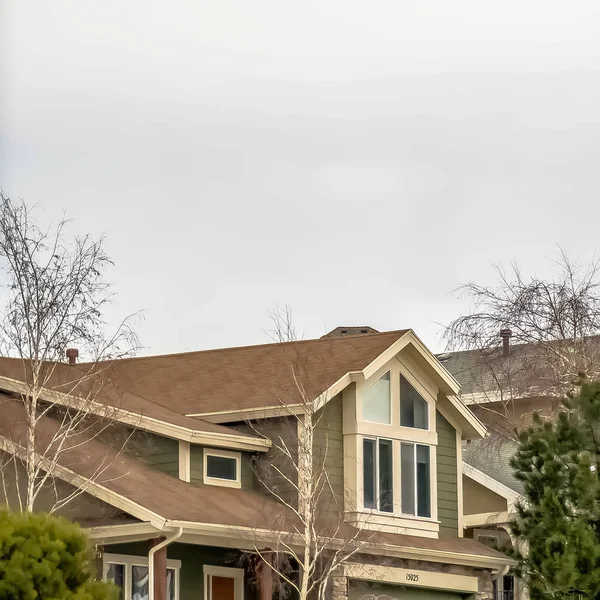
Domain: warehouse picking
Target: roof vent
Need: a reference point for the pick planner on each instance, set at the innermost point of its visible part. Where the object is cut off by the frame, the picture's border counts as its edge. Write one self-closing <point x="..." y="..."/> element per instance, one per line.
<point x="344" y="331"/>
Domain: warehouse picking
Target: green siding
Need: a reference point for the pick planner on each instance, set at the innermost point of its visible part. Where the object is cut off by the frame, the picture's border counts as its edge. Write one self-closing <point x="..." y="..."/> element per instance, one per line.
<point x="281" y="430"/>
<point x="160" y="453"/>
<point x="193" y="558"/>
<point x="197" y="467"/>
<point x="329" y="453"/>
<point x="447" y="478"/>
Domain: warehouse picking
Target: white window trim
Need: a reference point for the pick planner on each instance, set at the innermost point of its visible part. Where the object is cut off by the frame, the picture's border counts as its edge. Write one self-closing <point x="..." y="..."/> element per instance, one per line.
<point x="397" y="481"/>
<point x="236" y="574"/>
<point x="136" y="561"/>
<point x="391" y="412"/>
<point x="237" y="483"/>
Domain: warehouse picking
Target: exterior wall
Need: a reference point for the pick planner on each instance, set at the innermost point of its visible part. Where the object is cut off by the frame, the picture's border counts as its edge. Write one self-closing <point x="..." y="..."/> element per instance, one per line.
<point x="279" y="430"/>
<point x="447" y="478"/>
<point x="158" y="452"/>
<point x="329" y="453"/>
<point x="197" y="467"/>
<point x="478" y="499"/>
<point x="193" y="558"/>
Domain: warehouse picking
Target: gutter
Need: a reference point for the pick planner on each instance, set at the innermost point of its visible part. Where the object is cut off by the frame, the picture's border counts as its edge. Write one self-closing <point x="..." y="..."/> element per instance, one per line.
<point x="151" y="554"/>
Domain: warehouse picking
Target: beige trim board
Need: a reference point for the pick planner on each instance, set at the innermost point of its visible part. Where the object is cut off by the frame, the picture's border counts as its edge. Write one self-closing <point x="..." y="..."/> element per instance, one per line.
<point x="248" y="414"/>
<point x="483" y="519"/>
<point x="221" y="440"/>
<point x="411" y="577"/>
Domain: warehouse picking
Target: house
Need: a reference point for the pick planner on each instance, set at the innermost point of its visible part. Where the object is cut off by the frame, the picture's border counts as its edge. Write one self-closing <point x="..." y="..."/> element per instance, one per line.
<point x="175" y="481"/>
<point x="505" y="386"/>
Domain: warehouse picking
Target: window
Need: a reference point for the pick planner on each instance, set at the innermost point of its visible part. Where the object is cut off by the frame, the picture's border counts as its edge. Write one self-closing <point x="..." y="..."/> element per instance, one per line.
<point x="223" y="583"/>
<point x="222" y="467"/>
<point x="376" y="401"/>
<point x="413" y="407"/>
<point x="415" y="479"/>
<point x="378" y="474"/>
<point x="130" y="574"/>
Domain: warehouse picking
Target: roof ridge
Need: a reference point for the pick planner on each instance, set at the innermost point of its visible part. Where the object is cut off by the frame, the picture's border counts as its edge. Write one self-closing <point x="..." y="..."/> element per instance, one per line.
<point x="230" y="348"/>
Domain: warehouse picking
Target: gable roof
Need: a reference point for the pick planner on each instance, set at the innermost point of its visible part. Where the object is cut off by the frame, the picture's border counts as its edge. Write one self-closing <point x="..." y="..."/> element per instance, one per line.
<point x="248" y="377"/>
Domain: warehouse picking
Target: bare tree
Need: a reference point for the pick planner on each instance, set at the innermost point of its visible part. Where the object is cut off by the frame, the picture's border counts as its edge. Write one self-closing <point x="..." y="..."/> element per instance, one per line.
<point x="550" y="328"/>
<point x="296" y="472"/>
<point x="55" y="295"/>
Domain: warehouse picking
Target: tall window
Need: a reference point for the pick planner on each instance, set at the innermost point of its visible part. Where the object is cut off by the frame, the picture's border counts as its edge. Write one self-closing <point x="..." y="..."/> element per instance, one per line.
<point x="376" y="401"/>
<point x="130" y="575"/>
<point x="378" y="474"/>
<point x="413" y="408"/>
<point x="415" y="479"/>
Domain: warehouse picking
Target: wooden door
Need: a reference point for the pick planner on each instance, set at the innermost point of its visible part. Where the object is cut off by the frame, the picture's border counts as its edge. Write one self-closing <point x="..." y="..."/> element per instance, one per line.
<point x="222" y="588"/>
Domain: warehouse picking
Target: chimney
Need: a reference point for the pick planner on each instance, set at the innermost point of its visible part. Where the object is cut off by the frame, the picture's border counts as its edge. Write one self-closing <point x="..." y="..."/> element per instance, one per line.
<point x="72" y="354"/>
<point x="505" y="334"/>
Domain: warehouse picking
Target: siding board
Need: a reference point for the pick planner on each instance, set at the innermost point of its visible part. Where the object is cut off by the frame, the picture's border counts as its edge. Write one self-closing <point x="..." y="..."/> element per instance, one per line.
<point x="447" y="478"/>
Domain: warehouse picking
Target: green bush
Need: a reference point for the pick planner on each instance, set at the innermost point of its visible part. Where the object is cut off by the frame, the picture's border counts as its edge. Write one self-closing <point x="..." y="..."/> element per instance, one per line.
<point x="46" y="557"/>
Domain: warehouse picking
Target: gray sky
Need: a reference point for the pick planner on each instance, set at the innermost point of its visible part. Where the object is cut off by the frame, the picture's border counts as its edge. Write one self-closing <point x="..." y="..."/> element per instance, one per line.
<point x="355" y="160"/>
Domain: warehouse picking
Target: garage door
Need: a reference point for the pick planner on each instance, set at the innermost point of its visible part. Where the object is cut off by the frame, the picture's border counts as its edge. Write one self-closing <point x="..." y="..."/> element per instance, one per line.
<point x="364" y="590"/>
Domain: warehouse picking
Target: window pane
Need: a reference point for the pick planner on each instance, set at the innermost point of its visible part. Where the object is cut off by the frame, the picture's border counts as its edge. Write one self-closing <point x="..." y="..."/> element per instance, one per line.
<point x="116" y="574"/>
<point x="407" y="470"/>
<point x="386" y="485"/>
<point x="369" y="473"/>
<point x="171" y="584"/>
<point x="221" y="467"/>
<point x="139" y="583"/>
<point x="423" y="482"/>
<point x="376" y="401"/>
<point x="413" y="408"/>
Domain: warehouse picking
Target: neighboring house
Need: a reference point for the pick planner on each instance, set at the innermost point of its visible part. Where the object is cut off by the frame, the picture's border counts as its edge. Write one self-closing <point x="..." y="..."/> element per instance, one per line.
<point x="185" y="490"/>
<point x="505" y="386"/>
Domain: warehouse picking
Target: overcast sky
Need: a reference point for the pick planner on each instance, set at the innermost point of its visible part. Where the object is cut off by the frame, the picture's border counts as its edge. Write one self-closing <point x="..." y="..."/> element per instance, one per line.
<point x="355" y="160"/>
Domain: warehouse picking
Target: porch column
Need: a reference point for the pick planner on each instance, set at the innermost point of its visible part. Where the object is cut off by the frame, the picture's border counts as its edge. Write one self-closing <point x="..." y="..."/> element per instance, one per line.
<point x="339" y="587"/>
<point x="160" y="570"/>
<point x="265" y="577"/>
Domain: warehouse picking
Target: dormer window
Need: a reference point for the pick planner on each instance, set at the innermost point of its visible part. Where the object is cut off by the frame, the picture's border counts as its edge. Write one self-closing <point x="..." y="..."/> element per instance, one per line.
<point x="413" y="407"/>
<point x="222" y="467"/>
<point x="377" y="401"/>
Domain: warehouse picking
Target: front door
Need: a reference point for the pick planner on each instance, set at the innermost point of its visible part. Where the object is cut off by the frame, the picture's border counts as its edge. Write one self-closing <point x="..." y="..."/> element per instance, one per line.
<point x="223" y="583"/>
<point x="222" y="588"/>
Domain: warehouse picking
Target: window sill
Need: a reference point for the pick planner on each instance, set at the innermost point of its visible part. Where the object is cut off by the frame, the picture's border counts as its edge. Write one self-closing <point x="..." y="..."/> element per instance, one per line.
<point x="222" y="482"/>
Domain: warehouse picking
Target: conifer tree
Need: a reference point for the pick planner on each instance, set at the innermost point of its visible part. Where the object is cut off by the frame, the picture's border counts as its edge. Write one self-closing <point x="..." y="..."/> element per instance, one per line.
<point x="559" y="521"/>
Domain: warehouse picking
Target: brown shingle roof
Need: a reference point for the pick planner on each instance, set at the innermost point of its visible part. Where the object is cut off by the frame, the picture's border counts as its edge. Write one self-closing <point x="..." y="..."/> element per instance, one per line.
<point x="79" y="380"/>
<point x="235" y="379"/>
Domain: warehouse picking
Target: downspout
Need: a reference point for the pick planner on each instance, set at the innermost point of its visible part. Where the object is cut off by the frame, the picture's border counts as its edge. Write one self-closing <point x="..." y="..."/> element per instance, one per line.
<point x="151" y="554"/>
